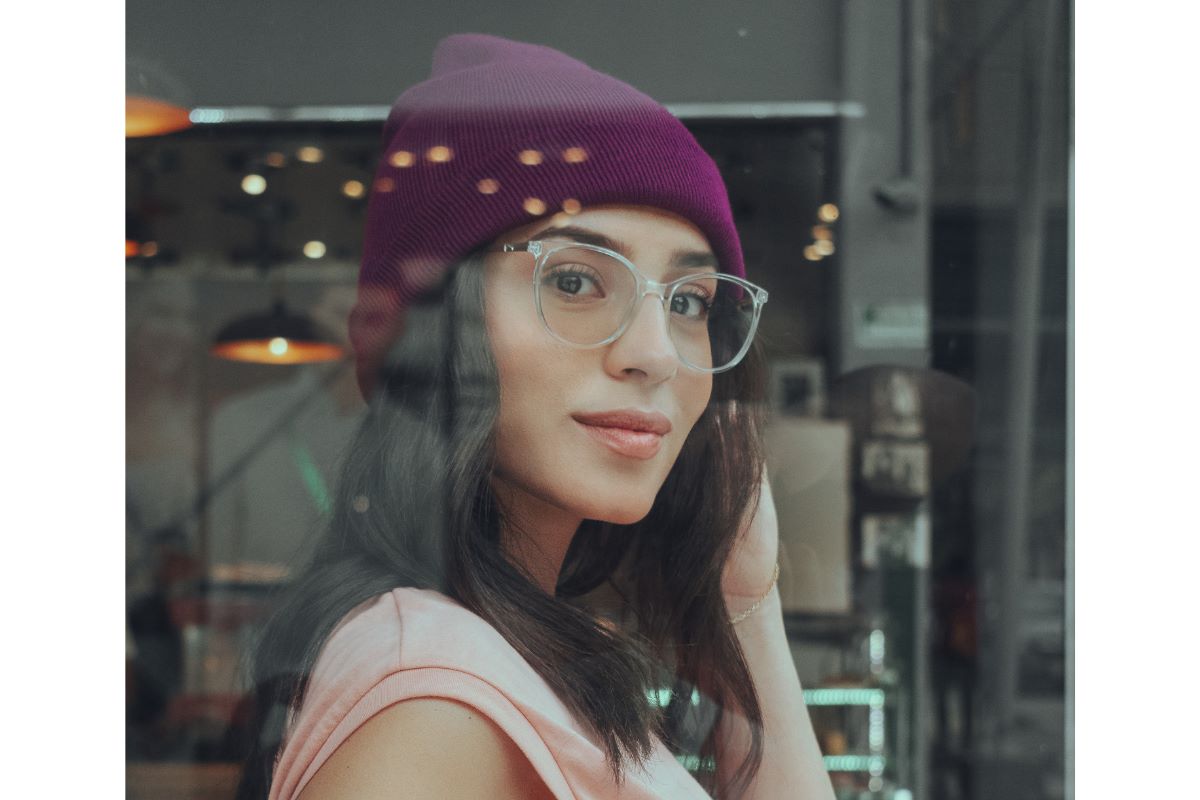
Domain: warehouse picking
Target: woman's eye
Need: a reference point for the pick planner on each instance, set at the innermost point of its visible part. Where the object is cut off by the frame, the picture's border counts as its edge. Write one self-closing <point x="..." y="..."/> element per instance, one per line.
<point x="574" y="283"/>
<point x="571" y="284"/>
<point x="690" y="305"/>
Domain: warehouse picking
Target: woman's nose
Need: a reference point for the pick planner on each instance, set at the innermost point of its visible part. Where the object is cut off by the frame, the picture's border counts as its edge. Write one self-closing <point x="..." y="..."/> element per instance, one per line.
<point x="645" y="348"/>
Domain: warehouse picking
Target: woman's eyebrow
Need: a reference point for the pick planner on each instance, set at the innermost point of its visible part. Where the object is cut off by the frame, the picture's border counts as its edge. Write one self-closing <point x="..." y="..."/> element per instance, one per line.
<point x="693" y="259"/>
<point x="680" y="259"/>
<point x="583" y="236"/>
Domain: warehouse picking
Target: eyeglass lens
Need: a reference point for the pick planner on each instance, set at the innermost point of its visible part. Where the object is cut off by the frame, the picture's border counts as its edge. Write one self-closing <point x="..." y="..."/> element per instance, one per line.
<point x="586" y="297"/>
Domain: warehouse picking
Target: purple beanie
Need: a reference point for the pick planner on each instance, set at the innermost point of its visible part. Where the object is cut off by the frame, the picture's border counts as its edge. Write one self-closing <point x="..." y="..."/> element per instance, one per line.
<point x="503" y="133"/>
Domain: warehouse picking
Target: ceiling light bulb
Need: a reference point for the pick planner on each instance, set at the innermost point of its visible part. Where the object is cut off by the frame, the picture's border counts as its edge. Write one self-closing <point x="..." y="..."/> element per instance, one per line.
<point x="254" y="184"/>
<point x="310" y="155"/>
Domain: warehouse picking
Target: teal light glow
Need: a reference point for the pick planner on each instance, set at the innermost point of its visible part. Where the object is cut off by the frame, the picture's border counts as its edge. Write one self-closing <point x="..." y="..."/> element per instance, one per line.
<point x="311" y="474"/>
<point x="661" y="697"/>
<point x="875" y="728"/>
<point x="207" y="115"/>
<point x="876" y="647"/>
<point x="871" y="764"/>
<point x="692" y="763"/>
<point x="844" y="697"/>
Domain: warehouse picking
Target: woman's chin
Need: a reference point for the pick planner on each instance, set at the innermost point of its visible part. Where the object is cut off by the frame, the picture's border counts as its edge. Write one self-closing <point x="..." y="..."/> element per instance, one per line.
<point x="622" y="502"/>
<point x="624" y="513"/>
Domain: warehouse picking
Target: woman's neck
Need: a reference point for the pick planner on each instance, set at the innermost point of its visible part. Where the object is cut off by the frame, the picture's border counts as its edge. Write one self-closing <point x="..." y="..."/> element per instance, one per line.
<point x="534" y="533"/>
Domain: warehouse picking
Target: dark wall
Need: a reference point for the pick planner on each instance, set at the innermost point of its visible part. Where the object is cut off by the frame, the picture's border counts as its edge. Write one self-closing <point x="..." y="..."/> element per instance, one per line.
<point x="302" y="52"/>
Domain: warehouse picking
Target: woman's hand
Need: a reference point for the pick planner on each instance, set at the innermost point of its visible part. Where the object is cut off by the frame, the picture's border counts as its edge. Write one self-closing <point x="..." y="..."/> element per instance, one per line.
<point x="748" y="572"/>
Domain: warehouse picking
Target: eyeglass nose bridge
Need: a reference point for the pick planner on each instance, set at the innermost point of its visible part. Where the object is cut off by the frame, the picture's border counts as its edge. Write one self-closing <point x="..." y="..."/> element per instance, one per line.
<point x="648" y="287"/>
<point x="655" y="290"/>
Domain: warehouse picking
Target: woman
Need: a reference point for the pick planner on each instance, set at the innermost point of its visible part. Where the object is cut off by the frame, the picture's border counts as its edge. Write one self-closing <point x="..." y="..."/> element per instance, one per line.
<point x="548" y="559"/>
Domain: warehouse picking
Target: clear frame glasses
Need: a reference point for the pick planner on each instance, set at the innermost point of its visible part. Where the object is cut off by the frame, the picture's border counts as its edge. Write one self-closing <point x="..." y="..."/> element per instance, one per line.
<point x="587" y="295"/>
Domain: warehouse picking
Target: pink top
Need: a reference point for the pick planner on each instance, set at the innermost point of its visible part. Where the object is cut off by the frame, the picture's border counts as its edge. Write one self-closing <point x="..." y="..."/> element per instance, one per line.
<point x="442" y="649"/>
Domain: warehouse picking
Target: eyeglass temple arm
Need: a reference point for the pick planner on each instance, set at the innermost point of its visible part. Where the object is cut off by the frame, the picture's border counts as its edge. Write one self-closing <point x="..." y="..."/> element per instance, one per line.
<point x="519" y="247"/>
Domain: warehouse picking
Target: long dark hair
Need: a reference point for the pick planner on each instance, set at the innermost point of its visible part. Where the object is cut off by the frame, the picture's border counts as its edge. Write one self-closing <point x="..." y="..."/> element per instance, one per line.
<point x="429" y="434"/>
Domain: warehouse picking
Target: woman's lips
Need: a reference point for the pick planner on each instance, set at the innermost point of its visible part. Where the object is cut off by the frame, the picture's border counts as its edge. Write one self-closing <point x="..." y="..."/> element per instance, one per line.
<point x="626" y="442"/>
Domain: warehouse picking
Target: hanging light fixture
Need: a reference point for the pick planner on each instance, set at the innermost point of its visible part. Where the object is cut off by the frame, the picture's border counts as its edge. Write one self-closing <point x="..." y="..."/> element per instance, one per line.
<point x="276" y="337"/>
<point x="147" y="116"/>
<point x="156" y="103"/>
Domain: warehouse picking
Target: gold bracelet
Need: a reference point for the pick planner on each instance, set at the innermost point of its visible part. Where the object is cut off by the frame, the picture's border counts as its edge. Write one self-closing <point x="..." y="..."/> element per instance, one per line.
<point x="759" y="602"/>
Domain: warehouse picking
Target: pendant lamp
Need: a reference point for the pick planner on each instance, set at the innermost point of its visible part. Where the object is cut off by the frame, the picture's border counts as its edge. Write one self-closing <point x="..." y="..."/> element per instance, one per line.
<point x="156" y="103"/>
<point x="275" y="337"/>
<point x="149" y="116"/>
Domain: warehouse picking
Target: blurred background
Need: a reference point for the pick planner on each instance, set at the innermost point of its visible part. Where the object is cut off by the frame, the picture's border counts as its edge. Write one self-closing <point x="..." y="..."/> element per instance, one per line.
<point x="899" y="174"/>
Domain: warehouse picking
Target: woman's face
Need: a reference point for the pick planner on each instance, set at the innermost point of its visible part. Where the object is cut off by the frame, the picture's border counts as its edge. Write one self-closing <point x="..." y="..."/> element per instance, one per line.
<point x="553" y="445"/>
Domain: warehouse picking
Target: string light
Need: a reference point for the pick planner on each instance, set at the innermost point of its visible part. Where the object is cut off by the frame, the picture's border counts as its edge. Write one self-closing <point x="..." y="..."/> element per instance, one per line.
<point x="530" y="158"/>
<point x="574" y="155"/>
<point x="310" y="155"/>
<point x="254" y="184"/>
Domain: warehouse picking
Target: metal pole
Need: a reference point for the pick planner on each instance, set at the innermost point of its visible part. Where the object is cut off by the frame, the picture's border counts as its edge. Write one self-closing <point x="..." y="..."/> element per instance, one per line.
<point x="1069" y="588"/>
<point x="1023" y="362"/>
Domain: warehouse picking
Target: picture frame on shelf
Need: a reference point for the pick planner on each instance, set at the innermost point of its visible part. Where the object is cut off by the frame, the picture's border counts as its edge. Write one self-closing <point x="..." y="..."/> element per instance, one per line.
<point x="797" y="387"/>
<point x="892" y="468"/>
